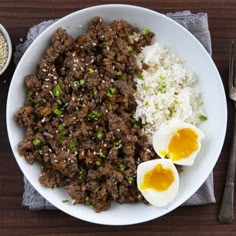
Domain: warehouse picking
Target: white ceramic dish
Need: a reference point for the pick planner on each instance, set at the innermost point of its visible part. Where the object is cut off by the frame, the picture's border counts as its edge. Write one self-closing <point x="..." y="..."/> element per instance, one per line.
<point x="197" y="59"/>
<point x="9" y="46"/>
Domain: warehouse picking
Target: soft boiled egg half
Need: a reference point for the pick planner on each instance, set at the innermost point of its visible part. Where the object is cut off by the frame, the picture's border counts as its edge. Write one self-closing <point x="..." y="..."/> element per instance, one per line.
<point x="158" y="181"/>
<point x="180" y="142"/>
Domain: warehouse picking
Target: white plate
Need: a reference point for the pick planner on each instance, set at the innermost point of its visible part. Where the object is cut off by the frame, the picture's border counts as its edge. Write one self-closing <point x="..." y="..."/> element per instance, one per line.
<point x="182" y="43"/>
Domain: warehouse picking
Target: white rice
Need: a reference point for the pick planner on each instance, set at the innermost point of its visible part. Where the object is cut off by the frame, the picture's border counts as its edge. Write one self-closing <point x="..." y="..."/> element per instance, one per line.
<point x="166" y="91"/>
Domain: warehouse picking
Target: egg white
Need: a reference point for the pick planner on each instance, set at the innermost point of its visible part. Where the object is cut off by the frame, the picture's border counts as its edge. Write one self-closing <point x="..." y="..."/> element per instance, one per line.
<point x="154" y="197"/>
<point x="163" y="136"/>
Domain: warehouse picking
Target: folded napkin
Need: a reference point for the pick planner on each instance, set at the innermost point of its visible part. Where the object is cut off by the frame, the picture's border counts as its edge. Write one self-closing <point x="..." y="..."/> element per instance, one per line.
<point x="197" y="24"/>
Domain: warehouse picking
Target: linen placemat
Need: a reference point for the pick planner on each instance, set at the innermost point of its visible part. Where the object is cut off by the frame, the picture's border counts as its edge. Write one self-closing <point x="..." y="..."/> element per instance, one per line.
<point x="197" y="24"/>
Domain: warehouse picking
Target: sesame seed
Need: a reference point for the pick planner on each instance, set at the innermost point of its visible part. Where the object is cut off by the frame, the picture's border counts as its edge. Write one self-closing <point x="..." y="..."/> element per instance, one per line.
<point x="43" y="120"/>
<point x="106" y="111"/>
<point x="73" y="202"/>
<point x="44" y="70"/>
<point x="73" y="54"/>
<point x="82" y="68"/>
<point x="73" y="98"/>
<point x="105" y="145"/>
<point x="74" y="69"/>
<point x="81" y="46"/>
<point x="103" y="81"/>
<point x="46" y="86"/>
<point x="94" y="153"/>
<point x="50" y="150"/>
<point x="118" y="130"/>
<point x="47" y="79"/>
<point x="94" y="44"/>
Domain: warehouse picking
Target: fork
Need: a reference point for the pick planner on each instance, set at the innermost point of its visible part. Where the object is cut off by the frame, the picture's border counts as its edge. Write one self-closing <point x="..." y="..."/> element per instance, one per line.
<point x="226" y="213"/>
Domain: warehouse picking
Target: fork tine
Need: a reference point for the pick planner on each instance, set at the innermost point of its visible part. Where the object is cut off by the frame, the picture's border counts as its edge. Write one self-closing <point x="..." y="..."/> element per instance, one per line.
<point x="231" y="66"/>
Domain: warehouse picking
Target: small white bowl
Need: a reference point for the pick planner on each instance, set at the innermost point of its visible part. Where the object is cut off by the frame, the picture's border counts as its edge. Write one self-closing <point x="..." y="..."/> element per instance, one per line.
<point x="9" y="48"/>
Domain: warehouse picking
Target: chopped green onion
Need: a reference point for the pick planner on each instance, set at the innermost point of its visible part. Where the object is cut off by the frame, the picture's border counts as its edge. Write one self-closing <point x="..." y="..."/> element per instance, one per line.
<point x="132" y="120"/>
<point x="122" y="167"/>
<point x="30" y="99"/>
<point x="101" y="154"/>
<point x="65" y="201"/>
<point x="141" y="77"/>
<point x="202" y="118"/>
<point x="57" y="111"/>
<point x="91" y="206"/>
<point x="136" y="126"/>
<point x="111" y="92"/>
<point x="61" y="127"/>
<point x="146" y="104"/>
<point x="145" y="88"/>
<point x="59" y="101"/>
<point x="100" y="135"/>
<point x="162" y="77"/>
<point x="57" y="90"/>
<point x="117" y="143"/>
<point x="175" y="101"/>
<point x="95" y="92"/>
<point x="130" y="49"/>
<point x="82" y="82"/>
<point x="118" y="73"/>
<point x="145" y="31"/>
<point x="162" y="88"/>
<point x="91" y="71"/>
<point x="73" y="143"/>
<point x="93" y="115"/>
<point x="36" y="142"/>
<point x="130" y="179"/>
<point x="98" y="163"/>
<point x="170" y="112"/>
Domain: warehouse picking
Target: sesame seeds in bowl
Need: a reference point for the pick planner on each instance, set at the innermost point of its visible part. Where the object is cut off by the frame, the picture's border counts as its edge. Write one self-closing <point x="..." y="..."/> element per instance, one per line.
<point x="5" y="49"/>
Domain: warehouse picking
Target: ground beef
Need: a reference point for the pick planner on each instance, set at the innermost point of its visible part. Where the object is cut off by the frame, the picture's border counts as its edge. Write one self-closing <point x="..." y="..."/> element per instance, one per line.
<point x="79" y="111"/>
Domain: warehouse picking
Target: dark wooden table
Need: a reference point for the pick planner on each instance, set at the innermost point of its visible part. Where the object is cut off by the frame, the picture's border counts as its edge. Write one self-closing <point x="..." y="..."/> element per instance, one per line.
<point x="18" y="17"/>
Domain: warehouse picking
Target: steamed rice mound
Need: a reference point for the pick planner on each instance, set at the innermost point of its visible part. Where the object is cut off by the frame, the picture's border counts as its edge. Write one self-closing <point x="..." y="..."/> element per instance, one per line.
<point x="166" y="90"/>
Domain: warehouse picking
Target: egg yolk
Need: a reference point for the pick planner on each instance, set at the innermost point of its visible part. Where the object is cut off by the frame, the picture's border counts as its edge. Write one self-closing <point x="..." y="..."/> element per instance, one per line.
<point x="159" y="178"/>
<point x="183" y="144"/>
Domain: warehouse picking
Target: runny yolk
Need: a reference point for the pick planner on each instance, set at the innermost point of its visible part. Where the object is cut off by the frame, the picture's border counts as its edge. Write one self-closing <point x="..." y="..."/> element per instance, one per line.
<point x="183" y="144"/>
<point x="159" y="178"/>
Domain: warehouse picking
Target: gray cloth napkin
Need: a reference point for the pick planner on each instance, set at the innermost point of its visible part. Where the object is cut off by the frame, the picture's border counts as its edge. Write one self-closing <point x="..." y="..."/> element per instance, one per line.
<point x="197" y="24"/>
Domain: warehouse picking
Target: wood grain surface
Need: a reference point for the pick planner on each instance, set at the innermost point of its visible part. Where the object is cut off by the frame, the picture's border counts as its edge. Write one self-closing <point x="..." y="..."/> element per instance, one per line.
<point x="18" y="17"/>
